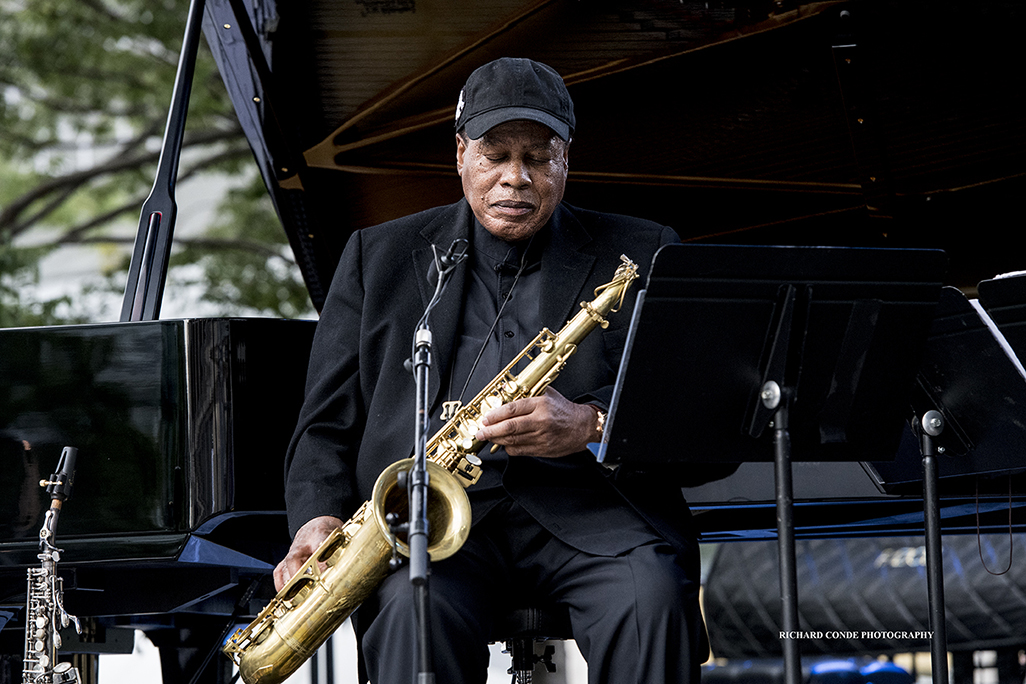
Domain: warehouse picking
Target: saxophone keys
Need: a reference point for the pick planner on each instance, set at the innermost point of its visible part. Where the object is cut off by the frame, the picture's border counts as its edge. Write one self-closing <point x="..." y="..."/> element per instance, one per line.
<point x="466" y="434"/>
<point x="64" y="674"/>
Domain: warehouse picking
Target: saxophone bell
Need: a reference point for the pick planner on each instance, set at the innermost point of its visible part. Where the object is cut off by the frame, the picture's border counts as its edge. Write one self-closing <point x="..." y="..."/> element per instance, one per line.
<point x="449" y="514"/>
<point x="355" y="560"/>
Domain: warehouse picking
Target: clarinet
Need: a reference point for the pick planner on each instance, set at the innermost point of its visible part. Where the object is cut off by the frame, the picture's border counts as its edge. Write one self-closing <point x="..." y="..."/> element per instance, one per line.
<point x="45" y="615"/>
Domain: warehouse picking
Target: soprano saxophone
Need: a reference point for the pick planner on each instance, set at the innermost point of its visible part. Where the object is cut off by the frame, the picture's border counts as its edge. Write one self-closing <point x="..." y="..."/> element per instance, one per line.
<point x="354" y="559"/>
<point x="45" y="614"/>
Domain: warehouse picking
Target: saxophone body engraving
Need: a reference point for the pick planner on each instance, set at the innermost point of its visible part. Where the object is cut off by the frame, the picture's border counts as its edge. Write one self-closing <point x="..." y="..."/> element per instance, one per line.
<point x="353" y="560"/>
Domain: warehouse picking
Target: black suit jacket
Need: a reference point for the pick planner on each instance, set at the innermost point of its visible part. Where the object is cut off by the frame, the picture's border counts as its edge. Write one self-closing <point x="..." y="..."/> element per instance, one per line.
<point x="358" y="414"/>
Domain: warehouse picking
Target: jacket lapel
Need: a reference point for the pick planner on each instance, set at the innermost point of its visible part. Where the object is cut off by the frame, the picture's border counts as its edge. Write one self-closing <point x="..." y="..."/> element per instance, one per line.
<point x="452" y="223"/>
<point x="565" y="269"/>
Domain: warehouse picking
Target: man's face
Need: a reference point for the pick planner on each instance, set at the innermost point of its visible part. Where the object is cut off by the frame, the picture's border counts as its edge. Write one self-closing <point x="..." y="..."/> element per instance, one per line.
<point x="513" y="177"/>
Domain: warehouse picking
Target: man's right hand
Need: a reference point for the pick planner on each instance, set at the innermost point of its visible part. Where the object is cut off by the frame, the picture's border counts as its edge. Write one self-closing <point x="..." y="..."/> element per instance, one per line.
<point x="308" y="539"/>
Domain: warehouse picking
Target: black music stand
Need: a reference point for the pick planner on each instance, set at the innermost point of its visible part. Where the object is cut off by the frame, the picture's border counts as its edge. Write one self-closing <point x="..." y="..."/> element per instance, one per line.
<point x="967" y="400"/>
<point x="974" y="378"/>
<point x="1004" y="300"/>
<point x="819" y="344"/>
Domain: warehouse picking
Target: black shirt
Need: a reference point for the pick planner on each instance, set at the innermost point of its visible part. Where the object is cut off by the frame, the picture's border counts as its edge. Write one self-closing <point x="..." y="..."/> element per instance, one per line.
<point x="501" y="315"/>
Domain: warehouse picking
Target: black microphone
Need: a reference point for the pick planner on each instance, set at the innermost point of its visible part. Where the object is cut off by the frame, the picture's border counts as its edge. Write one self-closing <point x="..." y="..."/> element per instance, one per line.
<point x="453" y="256"/>
<point x="456" y="253"/>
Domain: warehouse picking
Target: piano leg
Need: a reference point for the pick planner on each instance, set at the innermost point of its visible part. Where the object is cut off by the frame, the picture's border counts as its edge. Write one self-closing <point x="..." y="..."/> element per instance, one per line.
<point x="10" y="667"/>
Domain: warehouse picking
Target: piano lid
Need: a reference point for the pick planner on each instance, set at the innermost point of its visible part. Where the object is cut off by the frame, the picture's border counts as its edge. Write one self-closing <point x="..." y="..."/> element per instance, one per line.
<point x="872" y="122"/>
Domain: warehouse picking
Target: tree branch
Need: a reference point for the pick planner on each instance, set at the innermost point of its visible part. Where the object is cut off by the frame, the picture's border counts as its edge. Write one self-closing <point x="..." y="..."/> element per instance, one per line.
<point x="75" y="234"/>
<point x="52" y="205"/>
<point x="121" y="162"/>
<point x="68" y="105"/>
<point x="129" y="147"/>
<point x="198" y="242"/>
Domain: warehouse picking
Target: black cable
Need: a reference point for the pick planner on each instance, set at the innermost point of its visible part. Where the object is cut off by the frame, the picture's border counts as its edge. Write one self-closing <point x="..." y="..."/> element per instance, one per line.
<point x="1011" y="541"/>
<point x="488" y="336"/>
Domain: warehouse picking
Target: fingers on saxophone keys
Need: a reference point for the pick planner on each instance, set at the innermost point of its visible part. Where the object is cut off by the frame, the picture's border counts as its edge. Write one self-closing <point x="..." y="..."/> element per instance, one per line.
<point x="489" y="430"/>
<point x="484" y="434"/>
<point x="281" y="576"/>
<point x="505" y="432"/>
<point x="505" y="412"/>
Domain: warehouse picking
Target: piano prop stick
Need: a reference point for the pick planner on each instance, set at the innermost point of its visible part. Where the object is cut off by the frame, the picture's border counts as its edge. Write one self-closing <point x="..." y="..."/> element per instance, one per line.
<point x="148" y="269"/>
<point x="739" y="354"/>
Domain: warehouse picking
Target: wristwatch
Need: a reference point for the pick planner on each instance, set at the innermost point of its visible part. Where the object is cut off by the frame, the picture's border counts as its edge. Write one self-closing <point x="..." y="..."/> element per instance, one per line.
<point x="601" y="427"/>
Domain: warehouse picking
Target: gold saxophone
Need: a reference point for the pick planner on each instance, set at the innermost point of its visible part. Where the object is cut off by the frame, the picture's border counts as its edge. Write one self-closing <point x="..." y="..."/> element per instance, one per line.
<point x="354" y="559"/>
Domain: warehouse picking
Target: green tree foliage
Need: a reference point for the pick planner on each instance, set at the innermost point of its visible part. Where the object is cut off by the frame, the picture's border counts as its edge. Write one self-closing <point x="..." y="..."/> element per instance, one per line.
<point x="85" y="87"/>
<point x="247" y="265"/>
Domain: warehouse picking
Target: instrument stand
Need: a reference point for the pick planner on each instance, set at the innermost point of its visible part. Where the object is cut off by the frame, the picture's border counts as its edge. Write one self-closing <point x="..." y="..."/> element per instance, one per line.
<point x="785" y="533"/>
<point x="931" y="426"/>
<point x="759" y="353"/>
<point x="417" y="487"/>
<point x="417" y="481"/>
<point x="772" y="410"/>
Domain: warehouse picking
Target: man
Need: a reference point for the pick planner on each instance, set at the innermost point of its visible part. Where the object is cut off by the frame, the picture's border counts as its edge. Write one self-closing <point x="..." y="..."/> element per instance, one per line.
<point x="549" y="522"/>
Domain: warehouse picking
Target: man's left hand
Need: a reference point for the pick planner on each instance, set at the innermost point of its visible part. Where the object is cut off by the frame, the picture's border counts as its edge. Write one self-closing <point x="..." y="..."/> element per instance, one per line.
<point x="548" y="426"/>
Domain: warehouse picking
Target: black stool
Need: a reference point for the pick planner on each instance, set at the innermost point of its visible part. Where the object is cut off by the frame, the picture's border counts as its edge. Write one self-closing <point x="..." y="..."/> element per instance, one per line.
<point x="521" y="627"/>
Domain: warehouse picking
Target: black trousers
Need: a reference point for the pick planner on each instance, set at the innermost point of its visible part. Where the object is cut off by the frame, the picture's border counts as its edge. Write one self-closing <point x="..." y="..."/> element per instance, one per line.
<point x="635" y="616"/>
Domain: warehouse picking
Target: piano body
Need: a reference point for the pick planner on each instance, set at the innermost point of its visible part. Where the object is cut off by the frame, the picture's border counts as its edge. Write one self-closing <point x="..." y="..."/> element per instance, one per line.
<point x="878" y="123"/>
<point x="181" y="426"/>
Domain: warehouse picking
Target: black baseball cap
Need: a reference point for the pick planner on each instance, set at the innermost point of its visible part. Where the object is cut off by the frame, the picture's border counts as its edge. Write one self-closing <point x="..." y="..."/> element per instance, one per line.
<point x="513" y="88"/>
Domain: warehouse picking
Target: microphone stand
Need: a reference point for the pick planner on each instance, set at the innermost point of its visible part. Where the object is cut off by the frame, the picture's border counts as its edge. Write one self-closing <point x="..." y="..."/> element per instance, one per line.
<point x="417" y="481"/>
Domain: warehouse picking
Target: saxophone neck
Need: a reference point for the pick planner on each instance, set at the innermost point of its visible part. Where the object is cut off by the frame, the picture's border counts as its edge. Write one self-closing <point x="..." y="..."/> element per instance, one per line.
<point x="609" y="297"/>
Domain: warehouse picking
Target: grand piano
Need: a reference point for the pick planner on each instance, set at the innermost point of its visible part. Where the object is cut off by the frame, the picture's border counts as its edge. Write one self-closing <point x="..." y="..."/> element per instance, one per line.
<point x="861" y="123"/>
